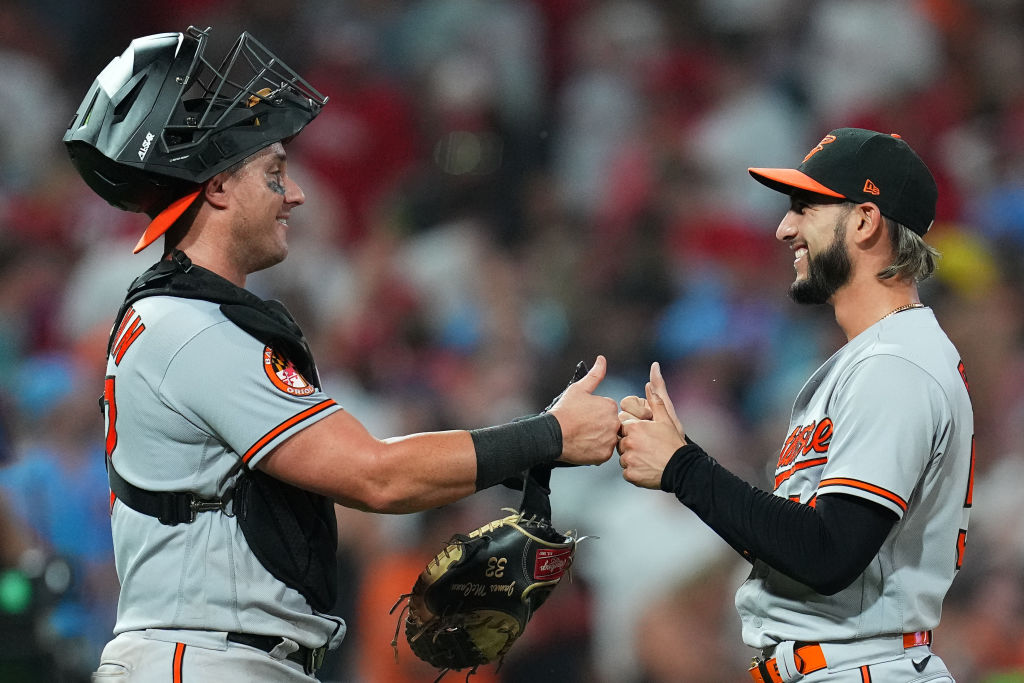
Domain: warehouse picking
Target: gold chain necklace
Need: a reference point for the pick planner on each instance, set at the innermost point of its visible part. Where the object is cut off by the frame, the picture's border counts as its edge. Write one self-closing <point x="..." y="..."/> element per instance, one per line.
<point x="900" y="310"/>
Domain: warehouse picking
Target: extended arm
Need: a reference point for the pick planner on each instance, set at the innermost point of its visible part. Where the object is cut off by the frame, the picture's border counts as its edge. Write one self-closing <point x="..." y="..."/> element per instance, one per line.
<point x="824" y="547"/>
<point x="339" y="458"/>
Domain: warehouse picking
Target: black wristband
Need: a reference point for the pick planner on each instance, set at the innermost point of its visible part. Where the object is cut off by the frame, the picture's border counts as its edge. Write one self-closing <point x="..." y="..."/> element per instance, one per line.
<point x="508" y="449"/>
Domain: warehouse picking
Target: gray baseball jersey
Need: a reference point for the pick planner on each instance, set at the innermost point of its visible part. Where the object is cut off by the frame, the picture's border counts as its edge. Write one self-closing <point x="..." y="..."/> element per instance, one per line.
<point x="191" y="401"/>
<point x="888" y="419"/>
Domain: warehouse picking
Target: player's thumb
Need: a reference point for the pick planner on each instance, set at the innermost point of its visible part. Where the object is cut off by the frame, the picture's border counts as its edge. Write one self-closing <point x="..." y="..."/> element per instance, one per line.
<point x="593" y="378"/>
<point x="658" y="407"/>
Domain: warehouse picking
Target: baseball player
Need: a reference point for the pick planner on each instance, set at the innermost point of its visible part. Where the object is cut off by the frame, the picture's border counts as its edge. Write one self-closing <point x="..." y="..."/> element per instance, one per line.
<point x="225" y="458"/>
<point x="865" y="529"/>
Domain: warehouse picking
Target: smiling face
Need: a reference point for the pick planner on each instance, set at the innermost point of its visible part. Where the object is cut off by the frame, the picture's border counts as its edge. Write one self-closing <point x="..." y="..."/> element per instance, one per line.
<point x="815" y="228"/>
<point x="263" y="195"/>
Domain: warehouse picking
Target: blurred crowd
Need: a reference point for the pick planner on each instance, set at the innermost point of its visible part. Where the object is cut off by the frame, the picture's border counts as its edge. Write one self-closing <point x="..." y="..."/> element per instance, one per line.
<point x="496" y="190"/>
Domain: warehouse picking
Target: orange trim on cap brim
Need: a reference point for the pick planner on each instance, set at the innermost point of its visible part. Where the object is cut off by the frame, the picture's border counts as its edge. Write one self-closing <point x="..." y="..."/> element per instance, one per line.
<point x="790" y="177"/>
<point x="164" y="220"/>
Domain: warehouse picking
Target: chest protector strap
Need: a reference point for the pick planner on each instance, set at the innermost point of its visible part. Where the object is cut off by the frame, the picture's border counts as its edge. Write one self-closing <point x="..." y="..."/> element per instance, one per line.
<point x="291" y="531"/>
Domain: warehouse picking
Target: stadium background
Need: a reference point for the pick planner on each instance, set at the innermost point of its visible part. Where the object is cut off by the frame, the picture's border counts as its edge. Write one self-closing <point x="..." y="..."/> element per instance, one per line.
<point x="496" y="190"/>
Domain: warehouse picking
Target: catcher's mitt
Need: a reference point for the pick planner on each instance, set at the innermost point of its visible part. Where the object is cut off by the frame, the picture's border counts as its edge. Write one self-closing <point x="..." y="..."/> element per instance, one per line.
<point x="473" y="599"/>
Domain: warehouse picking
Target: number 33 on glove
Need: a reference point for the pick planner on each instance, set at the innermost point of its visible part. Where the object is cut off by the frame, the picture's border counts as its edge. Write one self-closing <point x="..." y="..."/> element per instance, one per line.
<point x="473" y="599"/>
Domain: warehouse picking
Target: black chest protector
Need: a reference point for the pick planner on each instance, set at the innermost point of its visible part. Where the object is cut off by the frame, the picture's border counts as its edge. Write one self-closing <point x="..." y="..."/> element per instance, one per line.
<point x="291" y="531"/>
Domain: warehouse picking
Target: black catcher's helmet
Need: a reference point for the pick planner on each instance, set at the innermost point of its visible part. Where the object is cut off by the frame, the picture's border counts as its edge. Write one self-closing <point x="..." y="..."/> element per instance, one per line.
<point x="161" y="119"/>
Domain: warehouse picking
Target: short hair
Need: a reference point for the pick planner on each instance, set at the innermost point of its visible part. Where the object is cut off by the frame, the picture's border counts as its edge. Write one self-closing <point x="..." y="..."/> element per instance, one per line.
<point x="181" y="226"/>
<point x="913" y="258"/>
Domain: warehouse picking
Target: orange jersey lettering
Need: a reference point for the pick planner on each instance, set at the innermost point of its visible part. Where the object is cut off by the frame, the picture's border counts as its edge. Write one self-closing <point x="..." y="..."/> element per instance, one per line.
<point x="129" y="331"/>
<point x="802" y="440"/>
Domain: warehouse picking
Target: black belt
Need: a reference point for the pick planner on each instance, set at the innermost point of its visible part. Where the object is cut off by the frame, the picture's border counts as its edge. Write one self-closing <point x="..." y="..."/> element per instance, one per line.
<point x="311" y="659"/>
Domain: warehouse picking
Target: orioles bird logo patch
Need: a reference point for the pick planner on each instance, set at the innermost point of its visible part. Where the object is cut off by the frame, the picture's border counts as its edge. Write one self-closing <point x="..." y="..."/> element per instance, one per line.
<point x="283" y="374"/>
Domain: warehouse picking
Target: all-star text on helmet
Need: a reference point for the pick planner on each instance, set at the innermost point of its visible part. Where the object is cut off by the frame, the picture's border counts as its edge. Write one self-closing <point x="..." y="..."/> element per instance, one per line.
<point x="161" y="119"/>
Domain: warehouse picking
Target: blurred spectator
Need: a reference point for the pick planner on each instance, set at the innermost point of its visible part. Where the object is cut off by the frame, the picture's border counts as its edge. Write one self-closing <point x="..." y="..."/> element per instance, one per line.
<point x="842" y="73"/>
<point x="598" y="106"/>
<point x="22" y="603"/>
<point x="629" y="565"/>
<point x="367" y="136"/>
<point x="687" y="635"/>
<point x="384" y="653"/>
<point x="57" y="487"/>
<point x="493" y="183"/>
<point x="35" y="109"/>
<point x="30" y="291"/>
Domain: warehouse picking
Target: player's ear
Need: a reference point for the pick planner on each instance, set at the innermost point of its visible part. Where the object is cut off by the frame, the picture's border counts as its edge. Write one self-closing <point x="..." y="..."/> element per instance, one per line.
<point x="215" y="190"/>
<point x="868" y="221"/>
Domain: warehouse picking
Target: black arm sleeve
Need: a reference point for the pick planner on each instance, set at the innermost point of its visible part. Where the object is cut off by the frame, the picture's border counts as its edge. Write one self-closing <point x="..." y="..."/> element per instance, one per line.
<point x="824" y="547"/>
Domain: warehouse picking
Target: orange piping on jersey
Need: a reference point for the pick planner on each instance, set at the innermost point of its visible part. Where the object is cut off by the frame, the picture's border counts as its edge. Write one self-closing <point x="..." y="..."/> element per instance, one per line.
<point x="779" y="478"/>
<point x="969" y="499"/>
<point x="110" y="442"/>
<point x="865" y="674"/>
<point x="179" y="657"/>
<point x="961" y="548"/>
<point x="864" y="486"/>
<point x="284" y="426"/>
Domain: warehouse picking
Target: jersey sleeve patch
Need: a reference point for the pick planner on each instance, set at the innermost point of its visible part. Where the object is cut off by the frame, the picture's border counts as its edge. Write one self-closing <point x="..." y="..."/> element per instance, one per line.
<point x="283" y="375"/>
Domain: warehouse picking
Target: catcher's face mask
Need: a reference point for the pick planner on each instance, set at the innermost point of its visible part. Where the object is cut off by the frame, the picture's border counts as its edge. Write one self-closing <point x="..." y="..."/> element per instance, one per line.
<point x="161" y="119"/>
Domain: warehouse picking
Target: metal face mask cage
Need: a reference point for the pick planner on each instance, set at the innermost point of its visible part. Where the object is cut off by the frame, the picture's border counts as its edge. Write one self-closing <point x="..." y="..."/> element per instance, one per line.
<point x="210" y="96"/>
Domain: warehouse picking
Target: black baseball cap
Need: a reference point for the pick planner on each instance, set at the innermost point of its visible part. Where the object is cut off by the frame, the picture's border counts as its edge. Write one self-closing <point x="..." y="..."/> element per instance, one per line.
<point x="863" y="166"/>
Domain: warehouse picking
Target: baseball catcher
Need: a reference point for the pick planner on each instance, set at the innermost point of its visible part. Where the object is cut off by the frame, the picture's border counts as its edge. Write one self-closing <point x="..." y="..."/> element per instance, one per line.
<point x="225" y="457"/>
<point x="474" y="598"/>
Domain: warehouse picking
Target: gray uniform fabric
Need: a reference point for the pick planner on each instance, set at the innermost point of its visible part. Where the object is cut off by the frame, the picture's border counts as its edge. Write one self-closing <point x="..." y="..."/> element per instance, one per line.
<point x="196" y="399"/>
<point x="168" y="656"/>
<point x="887" y="418"/>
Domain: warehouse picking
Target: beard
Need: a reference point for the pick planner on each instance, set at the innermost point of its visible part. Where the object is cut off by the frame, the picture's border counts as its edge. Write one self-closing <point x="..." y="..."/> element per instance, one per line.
<point x="826" y="273"/>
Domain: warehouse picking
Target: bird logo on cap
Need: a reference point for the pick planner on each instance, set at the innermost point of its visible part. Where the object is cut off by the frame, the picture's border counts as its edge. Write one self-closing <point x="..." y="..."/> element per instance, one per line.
<point x="820" y="146"/>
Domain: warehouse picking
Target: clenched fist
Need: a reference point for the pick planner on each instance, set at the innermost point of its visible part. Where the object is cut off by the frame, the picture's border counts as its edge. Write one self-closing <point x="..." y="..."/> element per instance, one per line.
<point x="589" y="423"/>
<point x="650" y="433"/>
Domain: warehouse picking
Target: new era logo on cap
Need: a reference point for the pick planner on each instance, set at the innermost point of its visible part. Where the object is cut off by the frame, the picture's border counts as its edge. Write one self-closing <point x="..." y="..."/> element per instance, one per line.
<point x="864" y="166"/>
